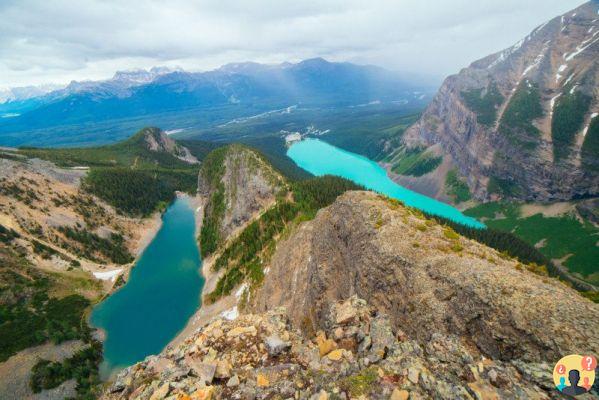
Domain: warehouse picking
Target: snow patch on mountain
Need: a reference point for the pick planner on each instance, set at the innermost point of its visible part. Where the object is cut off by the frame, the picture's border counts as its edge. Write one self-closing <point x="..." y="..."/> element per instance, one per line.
<point x="26" y="92"/>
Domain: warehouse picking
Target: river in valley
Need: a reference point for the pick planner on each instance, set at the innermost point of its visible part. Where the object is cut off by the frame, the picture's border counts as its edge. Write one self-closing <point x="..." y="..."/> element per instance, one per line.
<point x="162" y="293"/>
<point x="320" y="158"/>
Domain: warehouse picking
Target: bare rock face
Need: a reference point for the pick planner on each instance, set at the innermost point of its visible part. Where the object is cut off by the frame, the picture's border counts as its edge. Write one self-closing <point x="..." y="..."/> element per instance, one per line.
<point x="238" y="183"/>
<point x="516" y="123"/>
<point x="429" y="281"/>
<point x="157" y="140"/>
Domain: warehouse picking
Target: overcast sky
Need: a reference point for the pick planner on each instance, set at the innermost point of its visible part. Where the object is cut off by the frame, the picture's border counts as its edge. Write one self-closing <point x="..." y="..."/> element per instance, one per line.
<point x="57" y="41"/>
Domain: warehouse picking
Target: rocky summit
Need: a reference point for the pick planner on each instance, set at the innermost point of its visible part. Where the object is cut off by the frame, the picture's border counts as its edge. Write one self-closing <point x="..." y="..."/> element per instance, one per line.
<point x="356" y="355"/>
<point x="158" y="141"/>
<point x="523" y="123"/>
<point x="239" y="184"/>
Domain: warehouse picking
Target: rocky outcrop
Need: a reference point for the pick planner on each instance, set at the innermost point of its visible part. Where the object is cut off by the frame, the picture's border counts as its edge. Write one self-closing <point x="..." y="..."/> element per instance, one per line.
<point x="515" y="123"/>
<point x="157" y="140"/>
<point x="357" y="354"/>
<point x="428" y="279"/>
<point x="238" y="184"/>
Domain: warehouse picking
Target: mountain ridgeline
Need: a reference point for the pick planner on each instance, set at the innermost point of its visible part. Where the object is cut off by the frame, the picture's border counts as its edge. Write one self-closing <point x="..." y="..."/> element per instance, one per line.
<point x="194" y="99"/>
<point x="238" y="183"/>
<point x="523" y="123"/>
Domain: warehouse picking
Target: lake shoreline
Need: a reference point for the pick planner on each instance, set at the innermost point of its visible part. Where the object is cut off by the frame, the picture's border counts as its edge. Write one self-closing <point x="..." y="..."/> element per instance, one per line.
<point x="205" y="312"/>
<point x="321" y="158"/>
<point x="147" y="235"/>
<point x="159" y="279"/>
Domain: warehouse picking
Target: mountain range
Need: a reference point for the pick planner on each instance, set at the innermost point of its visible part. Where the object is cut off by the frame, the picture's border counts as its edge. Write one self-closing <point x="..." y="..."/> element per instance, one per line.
<point x="234" y="90"/>
<point x="15" y="94"/>
<point x="521" y="123"/>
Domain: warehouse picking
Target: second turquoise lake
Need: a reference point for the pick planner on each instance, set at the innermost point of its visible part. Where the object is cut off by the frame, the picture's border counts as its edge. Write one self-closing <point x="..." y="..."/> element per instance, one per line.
<point x="320" y="158"/>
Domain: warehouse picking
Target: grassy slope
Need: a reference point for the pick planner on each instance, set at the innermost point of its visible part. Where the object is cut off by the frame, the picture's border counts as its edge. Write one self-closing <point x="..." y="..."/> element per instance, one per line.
<point x="129" y="152"/>
<point x="415" y="162"/>
<point x="559" y="236"/>
<point x="590" y="147"/>
<point x="517" y="120"/>
<point x="568" y="119"/>
<point x="456" y="187"/>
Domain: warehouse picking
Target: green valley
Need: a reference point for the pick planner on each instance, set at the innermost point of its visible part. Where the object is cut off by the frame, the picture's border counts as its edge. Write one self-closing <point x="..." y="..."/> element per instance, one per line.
<point x="559" y="232"/>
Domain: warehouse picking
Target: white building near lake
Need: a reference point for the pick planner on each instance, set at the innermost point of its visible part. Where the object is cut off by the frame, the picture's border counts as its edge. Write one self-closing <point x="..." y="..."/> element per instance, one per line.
<point x="292" y="138"/>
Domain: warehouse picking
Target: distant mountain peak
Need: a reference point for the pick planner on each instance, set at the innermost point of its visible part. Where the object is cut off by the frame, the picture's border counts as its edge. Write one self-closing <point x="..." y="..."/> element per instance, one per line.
<point x="315" y="61"/>
<point x="142" y="75"/>
<point x="27" y="92"/>
<point x="248" y="66"/>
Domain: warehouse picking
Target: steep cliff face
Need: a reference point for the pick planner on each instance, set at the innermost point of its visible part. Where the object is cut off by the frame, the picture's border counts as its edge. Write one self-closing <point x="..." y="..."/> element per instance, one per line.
<point x="520" y="123"/>
<point x="238" y="183"/>
<point x="427" y="278"/>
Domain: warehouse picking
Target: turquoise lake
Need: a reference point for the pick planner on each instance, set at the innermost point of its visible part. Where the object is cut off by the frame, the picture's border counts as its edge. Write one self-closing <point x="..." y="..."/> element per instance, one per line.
<point x="320" y="158"/>
<point x="162" y="293"/>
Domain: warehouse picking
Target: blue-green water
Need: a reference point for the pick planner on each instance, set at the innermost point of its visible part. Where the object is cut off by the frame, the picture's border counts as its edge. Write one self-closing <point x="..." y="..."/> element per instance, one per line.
<point x="162" y="293"/>
<point x="320" y="158"/>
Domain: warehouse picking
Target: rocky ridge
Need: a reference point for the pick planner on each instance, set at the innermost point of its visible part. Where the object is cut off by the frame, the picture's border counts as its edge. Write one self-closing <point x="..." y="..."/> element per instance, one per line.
<point x="427" y="278"/>
<point x="517" y="123"/>
<point x="238" y="184"/>
<point x="357" y="354"/>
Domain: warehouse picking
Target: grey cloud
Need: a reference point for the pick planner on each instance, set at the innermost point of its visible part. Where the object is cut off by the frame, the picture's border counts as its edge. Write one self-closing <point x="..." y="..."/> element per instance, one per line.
<point x="59" y="40"/>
